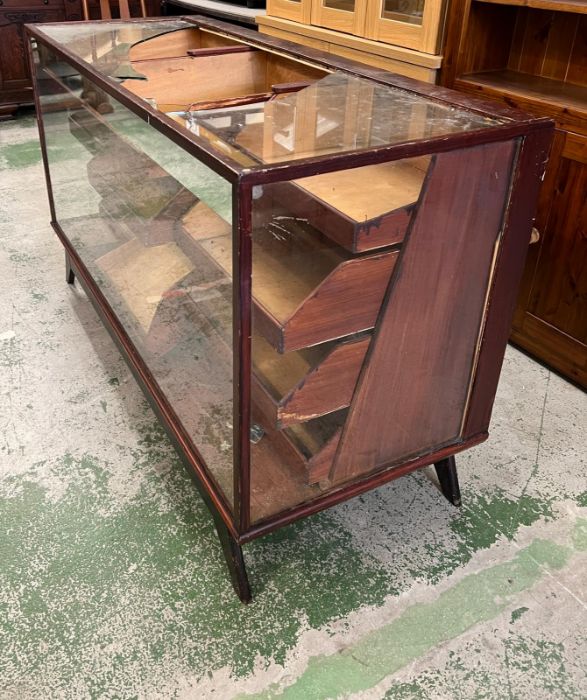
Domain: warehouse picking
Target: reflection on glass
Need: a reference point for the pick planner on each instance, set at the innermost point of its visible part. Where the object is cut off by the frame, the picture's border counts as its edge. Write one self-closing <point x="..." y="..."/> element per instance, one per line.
<point x="345" y="5"/>
<point x="335" y="114"/>
<point x="139" y="211"/>
<point x="240" y="103"/>
<point x="410" y="11"/>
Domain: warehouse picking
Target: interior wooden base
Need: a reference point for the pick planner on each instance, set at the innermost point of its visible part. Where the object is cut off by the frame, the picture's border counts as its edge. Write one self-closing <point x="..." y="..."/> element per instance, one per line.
<point x="278" y="480"/>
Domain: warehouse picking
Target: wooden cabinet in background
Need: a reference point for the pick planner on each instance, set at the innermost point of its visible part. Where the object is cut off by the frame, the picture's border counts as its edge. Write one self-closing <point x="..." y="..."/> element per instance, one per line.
<point x="15" y="80"/>
<point x="551" y="320"/>
<point x="534" y="57"/>
<point x="402" y="36"/>
<point x="16" y="88"/>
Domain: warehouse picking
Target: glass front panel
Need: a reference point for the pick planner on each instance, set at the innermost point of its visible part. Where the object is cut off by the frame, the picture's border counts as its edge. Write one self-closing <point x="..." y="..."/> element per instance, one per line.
<point x="410" y="11"/>
<point x="369" y="289"/>
<point x="140" y="212"/>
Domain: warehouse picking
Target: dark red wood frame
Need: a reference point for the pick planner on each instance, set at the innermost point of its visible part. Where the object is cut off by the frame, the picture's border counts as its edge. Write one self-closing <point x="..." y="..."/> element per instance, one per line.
<point x="535" y="134"/>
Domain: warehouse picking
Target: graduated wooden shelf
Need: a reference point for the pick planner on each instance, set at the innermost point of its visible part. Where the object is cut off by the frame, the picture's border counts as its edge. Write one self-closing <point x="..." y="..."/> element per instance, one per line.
<point x="305" y="292"/>
<point x="306" y="384"/>
<point x="360" y="209"/>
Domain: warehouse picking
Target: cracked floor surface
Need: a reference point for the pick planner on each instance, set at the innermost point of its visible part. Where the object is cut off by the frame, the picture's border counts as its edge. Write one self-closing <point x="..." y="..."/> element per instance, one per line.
<point x="112" y="583"/>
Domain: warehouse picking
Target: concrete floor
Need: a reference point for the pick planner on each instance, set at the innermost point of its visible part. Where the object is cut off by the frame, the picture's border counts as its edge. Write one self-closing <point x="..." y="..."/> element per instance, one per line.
<point x="112" y="583"/>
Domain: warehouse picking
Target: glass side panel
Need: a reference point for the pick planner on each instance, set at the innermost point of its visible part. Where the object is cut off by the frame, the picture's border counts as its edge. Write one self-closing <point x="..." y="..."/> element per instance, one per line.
<point x="409" y="11"/>
<point x="369" y="292"/>
<point x="335" y="114"/>
<point x="131" y="202"/>
<point x="344" y="5"/>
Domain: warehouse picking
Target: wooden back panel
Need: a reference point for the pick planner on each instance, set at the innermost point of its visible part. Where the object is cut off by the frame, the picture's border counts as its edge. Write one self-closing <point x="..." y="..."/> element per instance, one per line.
<point x="551" y="45"/>
<point x="181" y="81"/>
<point x="177" y="44"/>
<point x="428" y="332"/>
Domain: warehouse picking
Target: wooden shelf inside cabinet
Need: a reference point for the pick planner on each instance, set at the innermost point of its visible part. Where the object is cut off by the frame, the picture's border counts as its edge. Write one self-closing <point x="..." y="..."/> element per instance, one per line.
<point x="358" y="217"/>
<point x="576" y="6"/>
<point x="543" y="95"/>
<point x="310" y="447"/>
<point x="306" y="384"/>
<point x="305" y="291"/>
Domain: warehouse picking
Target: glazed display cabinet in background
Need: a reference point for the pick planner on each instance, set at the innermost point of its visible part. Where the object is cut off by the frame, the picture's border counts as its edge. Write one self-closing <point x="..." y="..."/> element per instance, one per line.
<point x="310" y="265"/>
<point x="402" y="36"/>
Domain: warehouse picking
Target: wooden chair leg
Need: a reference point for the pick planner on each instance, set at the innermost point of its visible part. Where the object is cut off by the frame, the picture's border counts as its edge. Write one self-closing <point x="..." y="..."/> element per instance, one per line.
<point x="236" y="563"/>
<point x="69" y="273"/>
<point x="446" y="470"/>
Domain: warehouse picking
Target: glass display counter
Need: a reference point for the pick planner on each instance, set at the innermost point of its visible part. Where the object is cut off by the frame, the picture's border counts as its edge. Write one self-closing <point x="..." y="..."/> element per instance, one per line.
<point x="309" y="265"/>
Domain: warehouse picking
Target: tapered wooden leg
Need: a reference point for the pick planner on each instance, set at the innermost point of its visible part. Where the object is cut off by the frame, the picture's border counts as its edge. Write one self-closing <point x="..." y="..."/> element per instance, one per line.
<point x="446" y="470"/>
<point x="236" y="563"/>
<point x="69" y="273"/>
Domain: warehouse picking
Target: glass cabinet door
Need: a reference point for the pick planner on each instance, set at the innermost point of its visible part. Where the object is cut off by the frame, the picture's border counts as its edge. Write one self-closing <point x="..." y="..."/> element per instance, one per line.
<point x="414" y="24"/>
<point x="340" y="15"/>
<point x="295" y="10"/>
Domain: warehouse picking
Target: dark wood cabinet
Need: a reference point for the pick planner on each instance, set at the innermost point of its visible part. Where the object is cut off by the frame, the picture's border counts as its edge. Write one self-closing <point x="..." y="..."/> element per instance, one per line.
<point x="550" y="320"/>
<point x="533" y="56"/>
<point x="15" y="80"/>
<point x="16" y="87"/>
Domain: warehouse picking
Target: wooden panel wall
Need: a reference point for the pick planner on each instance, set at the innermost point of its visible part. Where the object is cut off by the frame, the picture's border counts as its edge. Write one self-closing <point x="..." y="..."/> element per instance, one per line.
<point x="551" y="45"/>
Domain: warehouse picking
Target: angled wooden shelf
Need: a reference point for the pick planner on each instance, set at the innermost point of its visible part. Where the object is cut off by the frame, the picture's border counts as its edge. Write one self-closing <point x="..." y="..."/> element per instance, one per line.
<point x="362" y="209"/>
<point x="305" y="292"/>
<point x="303" y="385"/>
<point x="309" y="447"/>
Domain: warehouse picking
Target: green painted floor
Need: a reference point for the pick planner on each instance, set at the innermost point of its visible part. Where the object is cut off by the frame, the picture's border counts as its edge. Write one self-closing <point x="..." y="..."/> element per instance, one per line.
<point x="112" y="583"/>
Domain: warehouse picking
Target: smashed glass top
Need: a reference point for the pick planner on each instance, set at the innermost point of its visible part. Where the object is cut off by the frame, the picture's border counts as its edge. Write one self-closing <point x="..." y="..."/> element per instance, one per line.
<point x="106" y="45"/>
<point x="234" y="95"/>
<point x="339" y="113"/>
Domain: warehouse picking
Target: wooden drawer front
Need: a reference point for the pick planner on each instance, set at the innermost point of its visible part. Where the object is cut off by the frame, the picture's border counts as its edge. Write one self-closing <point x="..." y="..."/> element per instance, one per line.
<point x="300" y="386"/>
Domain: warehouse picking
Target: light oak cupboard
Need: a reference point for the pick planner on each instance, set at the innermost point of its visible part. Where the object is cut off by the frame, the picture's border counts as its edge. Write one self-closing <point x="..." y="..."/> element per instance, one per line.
<point x="364" y="30"/>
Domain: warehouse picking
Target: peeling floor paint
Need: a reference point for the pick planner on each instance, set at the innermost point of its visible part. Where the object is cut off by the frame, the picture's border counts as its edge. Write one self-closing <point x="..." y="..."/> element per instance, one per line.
<point x="112" y="583"/>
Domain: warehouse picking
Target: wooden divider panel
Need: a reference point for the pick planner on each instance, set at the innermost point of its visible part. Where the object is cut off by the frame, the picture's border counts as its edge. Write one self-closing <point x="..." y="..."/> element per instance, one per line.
<point x="426" y="338"/>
